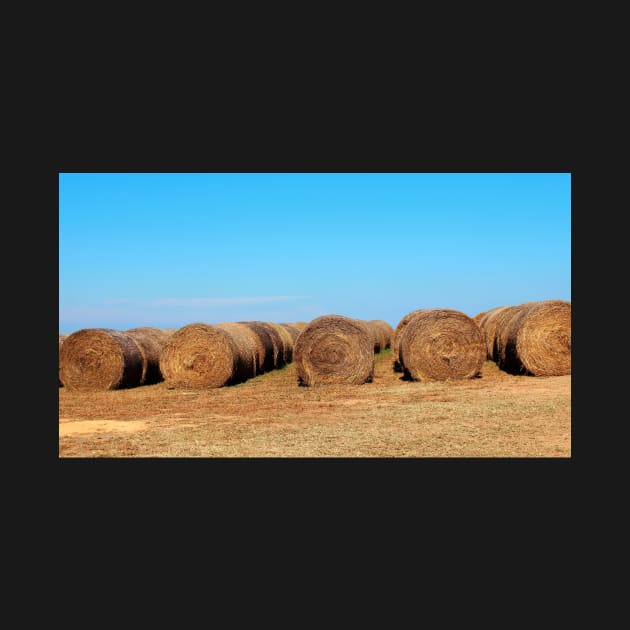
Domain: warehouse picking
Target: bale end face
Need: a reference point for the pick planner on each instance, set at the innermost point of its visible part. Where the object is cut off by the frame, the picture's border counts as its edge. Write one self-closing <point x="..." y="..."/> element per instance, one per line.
<point x="440" y="345"/>
<point x="199" y="356"/>
<point x="334" y="349"/>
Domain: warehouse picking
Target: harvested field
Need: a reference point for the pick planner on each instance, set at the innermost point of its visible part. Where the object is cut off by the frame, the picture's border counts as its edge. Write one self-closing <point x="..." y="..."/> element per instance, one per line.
<point x="497" y="415"/>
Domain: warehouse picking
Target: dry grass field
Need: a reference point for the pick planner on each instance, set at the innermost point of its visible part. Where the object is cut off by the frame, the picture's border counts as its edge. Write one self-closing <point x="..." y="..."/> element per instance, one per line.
<point x="496" y="415"/>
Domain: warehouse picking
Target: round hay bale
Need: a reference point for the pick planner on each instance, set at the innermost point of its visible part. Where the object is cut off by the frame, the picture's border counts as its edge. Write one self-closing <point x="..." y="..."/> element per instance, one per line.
<point x="100" y="359"/>
<point x="264" y="345"/>
<point x="62" y="338"/>
<point x="538" y="339"/>
<point x="247" y="342"/>
<point x="387" y="333"/>
<point x="150" y="340"/>
<point x="293" y="331"/>
<point x="396" y="338"/>
<point x="299" y="325"/>
<point x="375" y="333"/>
<point x="277" y="344"/>
<point x="286" y="343"/>
<point x="334" y="349"/>
<point x="489" y="324"/>
<point x="201" y="355"/>
<point x="441" y="344"/>
<point x="479" y="316"/>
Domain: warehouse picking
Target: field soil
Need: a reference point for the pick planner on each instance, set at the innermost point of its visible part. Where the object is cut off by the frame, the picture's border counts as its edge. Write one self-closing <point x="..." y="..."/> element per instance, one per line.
<point x="496" y="415"/>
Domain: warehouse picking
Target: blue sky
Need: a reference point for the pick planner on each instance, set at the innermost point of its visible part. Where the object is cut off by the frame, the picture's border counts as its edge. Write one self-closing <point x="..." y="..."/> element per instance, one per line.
<point x="169" y="249"/>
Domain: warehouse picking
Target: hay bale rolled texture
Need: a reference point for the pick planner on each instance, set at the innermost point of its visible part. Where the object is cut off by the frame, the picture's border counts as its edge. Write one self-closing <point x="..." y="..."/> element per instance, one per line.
<point x="150" y="340"/>
<point x="264" y="345"/>
<point x="277" y="344"/>
<point x="386" y="333"/>
<point x="478" y="317"/>
<point x="441" y="344"/>
<point x="201" y="355"/>
<point x="376" y="334"/>
<point x="334" y="349"/>
<point x="489" y="324"/>
<point x="62" y="338"/>
<point x="100" y="359"/>
<point x="286" y="343"/>
<point x="247" y="342"/>
<point x="538" y="340"/>
<point x="402" y="324"/>
<point x="293" y="331"/>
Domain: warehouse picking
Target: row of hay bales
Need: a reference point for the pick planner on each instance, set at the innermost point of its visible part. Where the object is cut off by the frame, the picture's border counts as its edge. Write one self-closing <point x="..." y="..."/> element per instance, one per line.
<point x="214" y="355"/>
<point x="533" y="338"/>
<point x="191" y="356"/>
<point x="334" y="349"/>
<point x="101" y="358"/>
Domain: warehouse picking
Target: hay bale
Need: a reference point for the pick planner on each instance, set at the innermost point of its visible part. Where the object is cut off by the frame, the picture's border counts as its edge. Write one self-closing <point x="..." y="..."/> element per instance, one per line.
<point x="538" y="339"/>
<point x="203" y="355"/>
<point x="286" y="343"/>
<point x="247" y="342"/>
<point x="396" y="338"/>
<point x="264" y="346"/>
<point x="334" y="349"/>
<point x="150" y="340"/>
<point x="100" y="359"/>
<point x="489" y="324"/>
<point x="62" y="338"/>
<point x="375" y="333"/>
<point x="277" y="344"/>
<point x="299" y="325"/>
<point x="479" y="316"/>
<point x="493" y="327"/>
<point x="441" y="344"/>
<point x="386" y="333"/>
<point x="293" y="331"/>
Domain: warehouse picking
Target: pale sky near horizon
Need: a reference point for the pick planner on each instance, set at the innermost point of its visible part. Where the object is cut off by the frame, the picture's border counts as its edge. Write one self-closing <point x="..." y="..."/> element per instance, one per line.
<point x="170" y="249"/>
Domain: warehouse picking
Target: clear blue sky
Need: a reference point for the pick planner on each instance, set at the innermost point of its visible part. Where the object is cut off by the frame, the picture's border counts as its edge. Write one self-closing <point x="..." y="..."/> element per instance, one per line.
<point x="169" y="249"/>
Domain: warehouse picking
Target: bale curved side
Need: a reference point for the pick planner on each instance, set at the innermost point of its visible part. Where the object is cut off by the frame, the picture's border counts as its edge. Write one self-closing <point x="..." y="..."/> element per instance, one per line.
<point x="246" y="342"/>
<point x="387" y="333"/>
<point x="479" y="316"/>
<point x="488" y="324"/>
<point x="264" y="346"/>
<point x="150" y="340"/>
<point x="62" y="338"/>
<point x="277" y="343"/>
<point x="100" y="359"/>
<point x="287" y="343"/>
<point x="201" y="355"/>
<point x="538" y="340"/>
<point x="441" y="344"/>
<point x="375" y="334"/>
<point x="293" y="331"/>
<point x="334" y="349"/>
<point x="396" y="338"/>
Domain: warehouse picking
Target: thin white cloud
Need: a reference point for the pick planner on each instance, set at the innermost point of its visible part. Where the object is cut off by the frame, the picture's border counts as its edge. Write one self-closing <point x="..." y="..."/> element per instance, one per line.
<point x="206" y="301"/>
